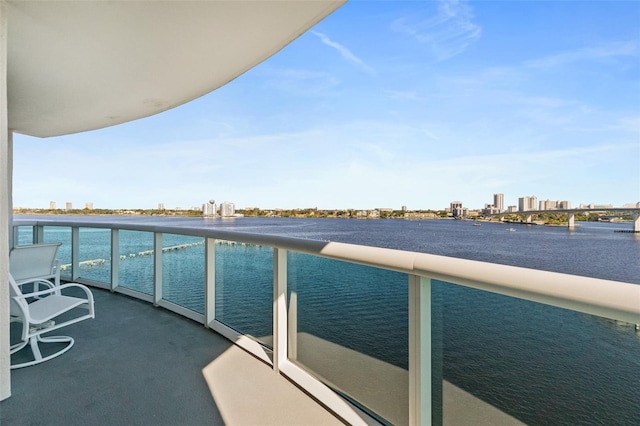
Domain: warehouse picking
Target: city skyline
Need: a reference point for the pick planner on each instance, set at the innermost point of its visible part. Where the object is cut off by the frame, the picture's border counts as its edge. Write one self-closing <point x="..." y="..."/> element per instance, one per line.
<point x="210" y="208"/>
<point x="385" y="104"/>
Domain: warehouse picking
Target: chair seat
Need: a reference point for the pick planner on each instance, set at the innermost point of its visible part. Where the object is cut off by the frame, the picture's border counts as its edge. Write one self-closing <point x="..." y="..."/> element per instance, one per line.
<point x="43" y="310"/>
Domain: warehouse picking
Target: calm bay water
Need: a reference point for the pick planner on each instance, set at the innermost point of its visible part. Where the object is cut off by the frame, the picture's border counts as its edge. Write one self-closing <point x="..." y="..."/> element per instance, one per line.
<point x="540" y="364"/>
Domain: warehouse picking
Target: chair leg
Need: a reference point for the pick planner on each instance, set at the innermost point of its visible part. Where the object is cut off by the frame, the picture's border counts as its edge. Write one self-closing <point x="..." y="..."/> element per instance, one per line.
<point x="35" y="349"/>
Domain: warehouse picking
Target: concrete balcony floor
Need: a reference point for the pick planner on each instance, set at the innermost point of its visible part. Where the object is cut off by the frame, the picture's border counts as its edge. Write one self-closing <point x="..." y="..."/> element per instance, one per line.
<point x="135" y="364"/>
<point x="139" y="365"/>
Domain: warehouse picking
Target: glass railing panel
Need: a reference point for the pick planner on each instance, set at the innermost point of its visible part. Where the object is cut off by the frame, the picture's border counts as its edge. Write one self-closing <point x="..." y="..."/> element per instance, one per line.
<point x="349" y="328"/>
<point x="244" y="289"/>
<point x="95" y="254"/>
<point x="24" y="235"/>
<point x="536" y="363"/>
<point x="136" y="270"/>
<point x="60" y="234"/>
<point x="183" y="271"/>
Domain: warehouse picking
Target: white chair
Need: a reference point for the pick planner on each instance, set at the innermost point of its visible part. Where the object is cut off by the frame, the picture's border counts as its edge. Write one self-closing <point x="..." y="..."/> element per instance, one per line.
<point x="39" y="316"/>
<point x="35" y="264"/>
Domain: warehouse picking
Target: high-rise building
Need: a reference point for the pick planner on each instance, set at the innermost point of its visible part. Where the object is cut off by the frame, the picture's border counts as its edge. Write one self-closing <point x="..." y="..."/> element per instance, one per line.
<point x="554" y="205"/>
<point x="209" y="208"/>
<point x="523" y="202"/>
<point x="564" y="205"/>
<point x="52" y="205"/>
<point x="548" y="205"/>
<point x="498" y="201"/>
<point x="160" y="206"/>
<point x="227" y="209"/>
<point x="88" y="206"/>
<point x="68" y="205"/>
<point x="528" y="203"/>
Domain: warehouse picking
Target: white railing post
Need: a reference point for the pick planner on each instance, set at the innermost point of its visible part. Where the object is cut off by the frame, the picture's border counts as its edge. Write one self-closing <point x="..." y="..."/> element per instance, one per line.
<point x="14" y="237"/>
<point x="75" y="253"/>
<point x="115" y="258"/>
<point x="279" y="308"/>
<point x="210" y="281"/>
<point x="38" y="234"/>
<point x="419" y="350"/>
<point x="157" y="267"/>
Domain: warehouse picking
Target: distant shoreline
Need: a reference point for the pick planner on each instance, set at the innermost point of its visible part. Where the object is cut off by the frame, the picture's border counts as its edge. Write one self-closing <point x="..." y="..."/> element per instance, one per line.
<point x="545" y="219"/>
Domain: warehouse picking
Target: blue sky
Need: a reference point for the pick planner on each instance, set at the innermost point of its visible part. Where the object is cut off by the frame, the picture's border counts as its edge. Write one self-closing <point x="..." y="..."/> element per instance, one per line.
<point x="385" y="104"/>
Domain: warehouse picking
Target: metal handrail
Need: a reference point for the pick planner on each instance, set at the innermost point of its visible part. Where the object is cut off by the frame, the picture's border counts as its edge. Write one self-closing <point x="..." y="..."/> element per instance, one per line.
<point x="606" y="298"/>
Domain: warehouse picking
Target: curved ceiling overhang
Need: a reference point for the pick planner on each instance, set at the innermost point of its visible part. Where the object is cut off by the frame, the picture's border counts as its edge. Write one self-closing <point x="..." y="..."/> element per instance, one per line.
<point x="75" y="66"/>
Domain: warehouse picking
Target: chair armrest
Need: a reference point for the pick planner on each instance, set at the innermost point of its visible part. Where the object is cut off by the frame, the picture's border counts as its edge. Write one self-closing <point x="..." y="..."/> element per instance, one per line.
<point x="82" y="287"/>
<point x="57" y="289"/>
<point x="37" y="280"/>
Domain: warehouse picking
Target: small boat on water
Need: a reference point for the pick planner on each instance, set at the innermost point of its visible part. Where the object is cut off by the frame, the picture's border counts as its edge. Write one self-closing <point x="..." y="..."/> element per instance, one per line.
<point x="511" y="230"/>
<point x="477" y="224"/>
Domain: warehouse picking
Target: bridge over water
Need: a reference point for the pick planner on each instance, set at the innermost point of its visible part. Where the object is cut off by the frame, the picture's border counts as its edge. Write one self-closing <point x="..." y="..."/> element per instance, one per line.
<point x="571" y="214"/>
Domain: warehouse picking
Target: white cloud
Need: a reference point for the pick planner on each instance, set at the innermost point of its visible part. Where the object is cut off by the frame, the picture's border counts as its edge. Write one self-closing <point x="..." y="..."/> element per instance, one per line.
<point x="354" y="165"/>
<point x="631" y="124"/>
<point x="585" y="54"/>
<point x="301" y="81"/>
<point x="426" y="183"/>
<point x="447" y="34"/>
<point x="344" y="52"/>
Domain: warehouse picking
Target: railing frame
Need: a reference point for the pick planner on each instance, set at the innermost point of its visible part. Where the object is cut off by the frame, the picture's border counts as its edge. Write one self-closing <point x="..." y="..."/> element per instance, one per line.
<point x="620" y="301"/>
<point x="210" y="281"/>
<point x="280" y="327"/>
<point x="115" y="255"/>
<point x="420" y="367"/>
<point x="157" y="268"/>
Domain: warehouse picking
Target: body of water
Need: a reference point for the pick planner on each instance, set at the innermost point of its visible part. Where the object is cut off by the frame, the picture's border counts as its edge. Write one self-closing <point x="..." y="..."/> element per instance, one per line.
<point x="542" y="365"/>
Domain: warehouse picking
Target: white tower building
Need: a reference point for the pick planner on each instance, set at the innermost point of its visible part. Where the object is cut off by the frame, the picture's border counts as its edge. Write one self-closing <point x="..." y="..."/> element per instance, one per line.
<point x="227" y="209"/>
<point x="209" y="208"/>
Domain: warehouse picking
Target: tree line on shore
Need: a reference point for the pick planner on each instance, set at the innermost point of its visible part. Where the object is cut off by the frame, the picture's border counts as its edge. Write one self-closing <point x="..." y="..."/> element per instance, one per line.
<point x="548" y="218"/>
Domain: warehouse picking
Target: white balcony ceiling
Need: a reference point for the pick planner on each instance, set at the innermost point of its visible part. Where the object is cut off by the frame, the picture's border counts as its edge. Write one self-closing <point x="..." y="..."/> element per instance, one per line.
<point x="82" y="65"/>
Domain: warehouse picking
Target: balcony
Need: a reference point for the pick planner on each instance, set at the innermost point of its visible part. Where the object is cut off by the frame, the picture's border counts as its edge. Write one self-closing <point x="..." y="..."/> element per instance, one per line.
<point x="296" y="331"/>
<point x="135" y="364"/>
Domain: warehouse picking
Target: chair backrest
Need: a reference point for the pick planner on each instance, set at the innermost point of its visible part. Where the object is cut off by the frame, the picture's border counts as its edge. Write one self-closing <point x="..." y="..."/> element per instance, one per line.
<point x="33" y="260"/>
